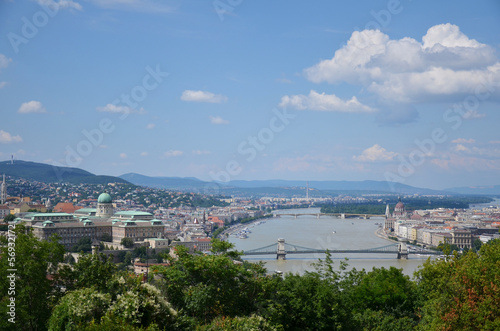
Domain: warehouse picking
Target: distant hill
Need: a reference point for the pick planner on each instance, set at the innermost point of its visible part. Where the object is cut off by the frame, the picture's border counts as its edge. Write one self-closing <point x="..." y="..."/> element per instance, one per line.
<point x="174" y="183"/>
<point x="47" y="173"/>
<point x="476" y="190"/>
<point x="275" y="186"/>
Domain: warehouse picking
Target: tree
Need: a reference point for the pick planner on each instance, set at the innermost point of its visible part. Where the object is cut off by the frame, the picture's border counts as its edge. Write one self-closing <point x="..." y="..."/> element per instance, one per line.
<point x="207" y="286"/>
<point x="127" y="242"/>
<point x="9" y="218"/>
<point x="91" y="270"/>
<point x="128" y="303"/>
<point x="84" y="245"/>
<point x="382" y="297"/>
<point x="462" y="292"/>
<point x="33" y="260"/>
<point x="106" y="237"/>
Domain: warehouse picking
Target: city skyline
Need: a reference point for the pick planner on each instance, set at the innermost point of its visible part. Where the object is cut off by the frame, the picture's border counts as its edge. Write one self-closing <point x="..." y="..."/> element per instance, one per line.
<point x="235" y="90"/>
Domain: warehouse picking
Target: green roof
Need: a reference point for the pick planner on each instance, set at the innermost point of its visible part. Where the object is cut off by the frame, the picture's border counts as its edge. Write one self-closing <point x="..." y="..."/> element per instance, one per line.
<point x="133" y="213"/>
<point x="85" y="210"/>
<point x="104" y="198"/>
<point x="51" y="214"/>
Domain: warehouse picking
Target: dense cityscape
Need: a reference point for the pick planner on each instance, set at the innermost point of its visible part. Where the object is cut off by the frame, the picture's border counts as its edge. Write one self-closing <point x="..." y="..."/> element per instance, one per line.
<point x="151" y="233"/>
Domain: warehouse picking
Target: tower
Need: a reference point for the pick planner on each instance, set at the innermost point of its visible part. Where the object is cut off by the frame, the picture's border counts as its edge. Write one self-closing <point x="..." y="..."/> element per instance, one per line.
<point x="387" y="213"/>
<point x="3" y="191"/>
<point x="104" y="206"/>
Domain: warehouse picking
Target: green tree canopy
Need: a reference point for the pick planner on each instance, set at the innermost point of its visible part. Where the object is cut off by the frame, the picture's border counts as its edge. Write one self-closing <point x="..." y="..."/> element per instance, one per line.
<point x="32" y="261"/>
<point x="462" y="292"/>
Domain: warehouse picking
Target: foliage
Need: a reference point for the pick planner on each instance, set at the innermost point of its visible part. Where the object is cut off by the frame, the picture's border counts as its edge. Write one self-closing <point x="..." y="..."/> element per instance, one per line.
<point x="84" y="245"/>
<point x="128" y="303"/>
<point x="243" y="323"/>
<point x="106" y="237"/>
<point x="127" y="242"/>
<point x="91" y="270"/>
<point x="9" y="218"/>
<point x="33" y="292"/>
<point x="462" y="292"/>
<point x="78" y="308"/>
<point x="411" y="203"/>
<point x="205" y="287"/>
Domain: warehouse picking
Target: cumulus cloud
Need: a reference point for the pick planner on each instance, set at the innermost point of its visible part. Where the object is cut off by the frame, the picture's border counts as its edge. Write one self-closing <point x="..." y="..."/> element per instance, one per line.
<point x="144" y="154"/>
<point x="123" y="155"/>
<point x="2" y="84"/>
<point x="323" y="102"/>
<point x="172" y="153"/>
<point x="218" y="120"/>
<point x="202" y="96"/>
<point x="446" y="63"/>
<point x="473" y="114"/>
<point x="143" y="6"/>
<point x="7" y="138"/>
<point x="375" y="153"/>
<point x="150" y="126"/>
<point x="200" y="152"/>
<point x="61" y="4"/>
<point x="111" y="108"/>
<point x="463" y="141"/>
<point x="31" y="107"/>
<point x="4" y="61"/>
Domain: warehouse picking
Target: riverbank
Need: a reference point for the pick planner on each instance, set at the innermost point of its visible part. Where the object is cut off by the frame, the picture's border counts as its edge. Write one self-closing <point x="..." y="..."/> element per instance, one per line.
<point x="240" y="226"/>
<point x="383" y="235"/>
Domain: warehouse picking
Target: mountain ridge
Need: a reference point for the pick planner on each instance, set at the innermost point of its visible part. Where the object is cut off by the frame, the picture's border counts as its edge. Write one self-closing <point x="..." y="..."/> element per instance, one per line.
<point x="47" y="173"/>
<point x="194" y="183"/>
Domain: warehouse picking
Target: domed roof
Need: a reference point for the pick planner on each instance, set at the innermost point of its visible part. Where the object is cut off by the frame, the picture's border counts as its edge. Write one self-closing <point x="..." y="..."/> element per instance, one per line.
<point x="400" y="205"/>
<point x="104" y="198"/>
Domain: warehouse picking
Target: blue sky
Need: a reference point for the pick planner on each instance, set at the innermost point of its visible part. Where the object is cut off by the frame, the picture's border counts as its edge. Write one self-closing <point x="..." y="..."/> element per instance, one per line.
<point x="407" y="91"/>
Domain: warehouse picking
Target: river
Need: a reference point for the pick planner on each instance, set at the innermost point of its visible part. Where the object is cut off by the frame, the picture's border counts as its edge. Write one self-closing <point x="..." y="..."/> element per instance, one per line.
<point x="309" y="231"/>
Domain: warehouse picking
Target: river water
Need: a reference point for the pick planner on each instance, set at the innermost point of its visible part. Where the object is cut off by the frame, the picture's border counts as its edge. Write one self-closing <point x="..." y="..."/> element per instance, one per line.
<point x="311" y="232"/>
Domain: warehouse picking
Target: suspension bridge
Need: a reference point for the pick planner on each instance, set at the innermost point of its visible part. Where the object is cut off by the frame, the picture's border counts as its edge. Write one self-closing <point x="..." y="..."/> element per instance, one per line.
<point x="401" y="250"/>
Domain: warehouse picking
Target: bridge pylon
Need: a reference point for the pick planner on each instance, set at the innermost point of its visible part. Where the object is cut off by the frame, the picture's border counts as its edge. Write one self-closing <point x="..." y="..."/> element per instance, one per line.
<point x="402" y="251"/>
<point x="281" y="252"/>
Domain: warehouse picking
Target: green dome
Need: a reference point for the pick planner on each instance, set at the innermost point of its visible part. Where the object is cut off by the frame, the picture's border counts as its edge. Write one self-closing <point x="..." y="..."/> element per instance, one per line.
<point x="104" y="198"/>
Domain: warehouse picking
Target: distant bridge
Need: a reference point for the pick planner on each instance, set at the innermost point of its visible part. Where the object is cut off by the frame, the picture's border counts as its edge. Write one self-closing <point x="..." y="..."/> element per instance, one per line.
<point x="282" y="249"/>
<point x="318" y="215"/>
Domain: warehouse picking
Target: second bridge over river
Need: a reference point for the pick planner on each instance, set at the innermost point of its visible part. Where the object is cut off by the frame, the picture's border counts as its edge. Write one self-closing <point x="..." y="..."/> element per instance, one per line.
<point x="318" y="215"/>
<point x="281" y="249"/>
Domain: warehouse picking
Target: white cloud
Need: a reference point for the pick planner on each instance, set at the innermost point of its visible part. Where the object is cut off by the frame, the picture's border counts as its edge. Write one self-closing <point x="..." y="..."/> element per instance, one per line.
<point x="111" y="108"/>
<point x="6" y="138"/>
<point x="202" y="96"/>
<point x="2" y="84"/>
<point x="31" y="107"/>
<point x="144" y="154"/>
<point x="463" y="141"/>
<point x="200" y="152"/>
<point x="473" y="114"/>
<point x="144" y="6"/>
<point x="150" y="126"/>
<point x="172" y="153"/>
<point x="218" y="120"/>
<point x="4" y="61"/>
<point x="123" y="155"/>
<point x="375" y="153"/>
<point x="61" y="4"/>
<point x="323" y="102"/>
<point x="444" y="65"/>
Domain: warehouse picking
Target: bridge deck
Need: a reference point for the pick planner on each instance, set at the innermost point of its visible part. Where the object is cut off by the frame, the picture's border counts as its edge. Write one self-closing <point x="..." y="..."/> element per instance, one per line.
<point x="296" y="249"/>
